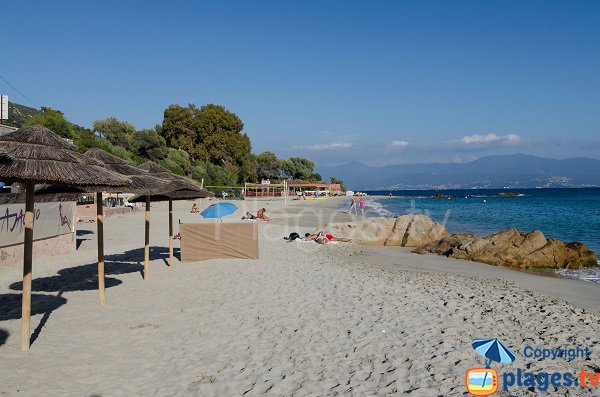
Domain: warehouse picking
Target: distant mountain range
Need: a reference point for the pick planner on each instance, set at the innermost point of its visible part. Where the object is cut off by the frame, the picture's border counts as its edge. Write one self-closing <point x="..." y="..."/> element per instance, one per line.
<point x="507" y="171"/>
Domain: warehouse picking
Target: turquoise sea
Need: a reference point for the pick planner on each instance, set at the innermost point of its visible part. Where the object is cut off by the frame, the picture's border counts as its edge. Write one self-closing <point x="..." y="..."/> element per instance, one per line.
<point x="566" y="214"/>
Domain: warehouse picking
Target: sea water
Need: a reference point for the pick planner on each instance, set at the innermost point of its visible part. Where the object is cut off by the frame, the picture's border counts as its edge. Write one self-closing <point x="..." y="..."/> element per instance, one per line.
<point x="566" y="214"/>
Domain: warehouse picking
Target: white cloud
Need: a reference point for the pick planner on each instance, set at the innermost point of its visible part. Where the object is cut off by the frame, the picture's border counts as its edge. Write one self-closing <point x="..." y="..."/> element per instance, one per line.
<point x="400" y="143"/>
<point x="510" y="139"/>
<point x="463" y="159"/>
<point x="330" y="146"/>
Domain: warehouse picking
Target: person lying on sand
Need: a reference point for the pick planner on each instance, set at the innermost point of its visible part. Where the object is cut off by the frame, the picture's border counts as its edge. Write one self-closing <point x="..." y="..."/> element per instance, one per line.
<point x="260" y="214"/>
<point x="248" y="216"/>
<point x="293" y="237"/>
<point x="323" y="238"/>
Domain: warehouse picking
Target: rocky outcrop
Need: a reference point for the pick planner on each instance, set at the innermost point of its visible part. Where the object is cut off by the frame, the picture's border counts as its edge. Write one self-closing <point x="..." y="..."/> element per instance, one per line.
<point x="511" y="248"/>
<point x="404" y="231"/>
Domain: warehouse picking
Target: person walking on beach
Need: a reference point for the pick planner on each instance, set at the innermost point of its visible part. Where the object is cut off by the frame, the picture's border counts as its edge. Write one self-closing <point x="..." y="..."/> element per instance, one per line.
<point x="352" y="206"/>
<point x="361" y="205"/>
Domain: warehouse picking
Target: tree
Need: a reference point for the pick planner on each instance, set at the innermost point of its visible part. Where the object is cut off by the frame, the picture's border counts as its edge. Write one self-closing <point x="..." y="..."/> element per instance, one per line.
<point x="171" y="166"/>
<point x="120" y="133"/>
<point x="299" y="168"/>
<point x="53" y="120"/>
<point x="212" y="134"/>
<point x="316" y="177"/>
<point x="181" y="158"/>
<point x="179" y="129"/>
<point x="338" y="181"/>
<point x="213" y="119"/>
<point x="85" y="139"/>
<point x="219" y="176"/>
<point x="268" y="166"/>
<point x="150" y="144"/>
<point x="199" y="171"/>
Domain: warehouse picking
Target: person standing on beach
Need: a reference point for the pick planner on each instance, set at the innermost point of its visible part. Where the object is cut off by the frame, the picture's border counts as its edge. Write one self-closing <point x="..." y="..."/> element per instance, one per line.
<point x="361" y="205"/>
<point x="352" y="205"/>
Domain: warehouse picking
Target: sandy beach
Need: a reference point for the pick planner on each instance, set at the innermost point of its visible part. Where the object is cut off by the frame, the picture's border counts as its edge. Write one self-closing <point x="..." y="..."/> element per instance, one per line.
<point x="304" y="319"/>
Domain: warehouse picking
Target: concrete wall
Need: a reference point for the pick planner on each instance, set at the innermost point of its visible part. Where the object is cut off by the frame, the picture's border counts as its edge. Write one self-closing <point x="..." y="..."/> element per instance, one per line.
<point x="57" y="245"/>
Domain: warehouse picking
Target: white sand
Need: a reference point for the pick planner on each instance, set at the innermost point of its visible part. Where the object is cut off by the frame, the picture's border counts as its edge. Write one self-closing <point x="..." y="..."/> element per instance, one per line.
<point x="303" y="320"/>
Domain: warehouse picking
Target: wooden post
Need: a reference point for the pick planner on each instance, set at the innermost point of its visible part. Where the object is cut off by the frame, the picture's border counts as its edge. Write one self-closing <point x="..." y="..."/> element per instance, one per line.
<point x="100" y="236"/>
<point x="170" y="233"/>
<point x="147" y="239"/>
<point x="27" y="266"/>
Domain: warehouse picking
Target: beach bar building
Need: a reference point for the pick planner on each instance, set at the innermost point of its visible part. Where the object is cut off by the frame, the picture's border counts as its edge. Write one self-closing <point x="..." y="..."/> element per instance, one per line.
<point x="265" y="189"/>
<point x="331" y="189"/>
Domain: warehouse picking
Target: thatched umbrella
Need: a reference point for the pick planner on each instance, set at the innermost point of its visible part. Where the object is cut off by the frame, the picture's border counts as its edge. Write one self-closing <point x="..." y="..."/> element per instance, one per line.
<point x="114" y="163"/>
<point x="181" y="189"/>
<point x="152" y="167"/>
<point x="37" y="155"/>
<point x="141" y="183"/>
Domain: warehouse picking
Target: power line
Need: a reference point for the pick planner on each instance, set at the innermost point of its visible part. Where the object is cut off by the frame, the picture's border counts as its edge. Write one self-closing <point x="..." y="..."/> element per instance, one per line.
<point x="15" y="88"/>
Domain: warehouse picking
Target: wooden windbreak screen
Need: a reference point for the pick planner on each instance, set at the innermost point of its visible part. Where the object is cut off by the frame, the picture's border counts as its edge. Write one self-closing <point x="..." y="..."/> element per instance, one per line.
<point x="202" y="241"/>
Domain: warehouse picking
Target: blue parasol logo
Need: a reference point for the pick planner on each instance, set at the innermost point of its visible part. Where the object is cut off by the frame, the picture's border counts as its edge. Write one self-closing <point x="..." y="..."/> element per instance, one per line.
<point x="484" y="381"/>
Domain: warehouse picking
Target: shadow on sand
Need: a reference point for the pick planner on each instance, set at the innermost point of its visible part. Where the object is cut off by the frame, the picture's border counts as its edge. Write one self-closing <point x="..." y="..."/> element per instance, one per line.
<point x="85" y="277"/>
<point x="10" y="309"/>
<point x="80" y="241"/>
<point x="3" y="336"/>
<point x="10" y="305"/>
<point x="78" y="278"/>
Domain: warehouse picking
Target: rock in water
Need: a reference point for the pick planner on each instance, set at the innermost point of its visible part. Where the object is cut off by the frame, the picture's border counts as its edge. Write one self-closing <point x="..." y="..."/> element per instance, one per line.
<point x="404" y="231"/>
<point x="511" y="248"/>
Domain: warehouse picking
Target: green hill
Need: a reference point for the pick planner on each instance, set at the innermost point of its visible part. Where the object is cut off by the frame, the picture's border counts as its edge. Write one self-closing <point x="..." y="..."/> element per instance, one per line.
<point x="18" y="114"/>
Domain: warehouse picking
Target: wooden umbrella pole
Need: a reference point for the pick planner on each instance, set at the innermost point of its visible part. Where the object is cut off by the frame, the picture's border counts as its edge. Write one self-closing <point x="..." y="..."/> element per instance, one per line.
<point x="170" y="232"/>
<point x="100" y="236"/>
<point x="27" y="266"/>
<point x="147" y="239"/>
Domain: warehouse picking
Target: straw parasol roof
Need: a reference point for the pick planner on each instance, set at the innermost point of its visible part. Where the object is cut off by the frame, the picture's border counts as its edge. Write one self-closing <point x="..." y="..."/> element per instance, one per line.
<point x="38" y="155"/>
<point x="147" y="184"/>
<point x="180" y="194"/>
<point x="153" y="168"/>
<point x="114" y="163"/>
<point x="180" y="183"/>
<point x="141" y="181"/>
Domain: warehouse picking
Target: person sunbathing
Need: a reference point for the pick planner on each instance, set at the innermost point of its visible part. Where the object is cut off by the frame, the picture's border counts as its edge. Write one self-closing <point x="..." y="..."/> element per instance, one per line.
<point x="260" y="214"/>
<point x="248" y="216"/>
<point x="323" y="238"/>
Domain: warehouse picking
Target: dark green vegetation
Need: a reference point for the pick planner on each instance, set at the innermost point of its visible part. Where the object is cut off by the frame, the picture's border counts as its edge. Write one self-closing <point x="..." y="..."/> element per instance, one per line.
<point x="202" y="143"/>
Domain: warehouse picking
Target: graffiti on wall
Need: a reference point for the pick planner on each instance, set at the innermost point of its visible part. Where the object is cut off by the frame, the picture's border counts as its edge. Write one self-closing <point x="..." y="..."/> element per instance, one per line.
<point x="49" y="220"/>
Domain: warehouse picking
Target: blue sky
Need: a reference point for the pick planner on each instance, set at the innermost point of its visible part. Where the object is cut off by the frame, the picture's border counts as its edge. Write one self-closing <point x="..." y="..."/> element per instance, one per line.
<point x="382" y="82"/>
